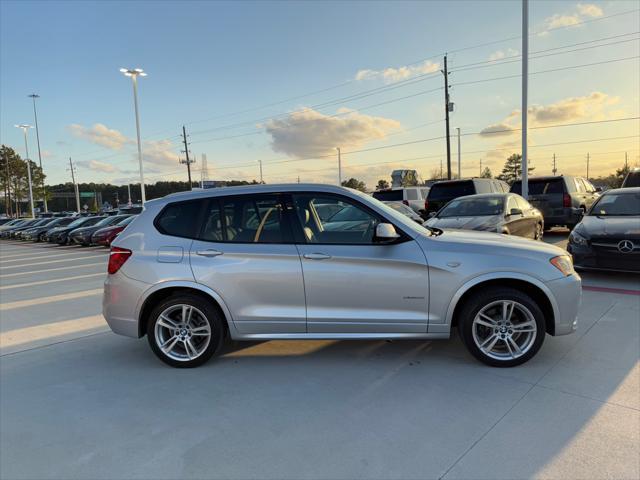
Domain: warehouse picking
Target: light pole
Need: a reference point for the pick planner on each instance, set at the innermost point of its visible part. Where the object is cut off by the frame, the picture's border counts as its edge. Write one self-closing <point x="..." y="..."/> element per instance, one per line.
<point x="25" y="128"/>
<point x="33" y="96"/>
<point x="525" y="90"/>
<point x="134" y="73"/>
<point x="339" y="167"/>
<point x="459" y="169"/>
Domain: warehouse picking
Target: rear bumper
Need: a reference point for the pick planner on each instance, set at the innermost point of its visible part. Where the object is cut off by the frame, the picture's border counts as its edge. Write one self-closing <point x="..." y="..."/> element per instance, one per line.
<point x="567" y="292"/>
<point x="119" y="303"/>
<point x="569" y="216"/>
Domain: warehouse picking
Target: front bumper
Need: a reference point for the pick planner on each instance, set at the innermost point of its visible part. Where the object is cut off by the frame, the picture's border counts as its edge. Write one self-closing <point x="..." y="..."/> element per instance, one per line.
<point x="587" y="257"/>
<point x="567" y="292"/>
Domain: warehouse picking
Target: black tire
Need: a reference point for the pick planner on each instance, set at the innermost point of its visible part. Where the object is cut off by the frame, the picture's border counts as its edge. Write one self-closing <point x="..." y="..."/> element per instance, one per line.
<point x="486" y="297"/>
<point x="211" y="316"/>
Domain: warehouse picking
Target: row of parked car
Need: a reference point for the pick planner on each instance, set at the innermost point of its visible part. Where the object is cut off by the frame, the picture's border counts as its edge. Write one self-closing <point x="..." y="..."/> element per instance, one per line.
<point x="65" y="230"/>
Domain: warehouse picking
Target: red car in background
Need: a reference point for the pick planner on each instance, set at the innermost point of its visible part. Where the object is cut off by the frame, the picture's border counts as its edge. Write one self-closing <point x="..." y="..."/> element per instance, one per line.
<point x="105" y="236"/>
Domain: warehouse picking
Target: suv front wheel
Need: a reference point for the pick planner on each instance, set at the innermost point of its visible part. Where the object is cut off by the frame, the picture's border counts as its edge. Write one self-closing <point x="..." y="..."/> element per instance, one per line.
<point x="185" y="331"/>
<point x="502" y="327"/>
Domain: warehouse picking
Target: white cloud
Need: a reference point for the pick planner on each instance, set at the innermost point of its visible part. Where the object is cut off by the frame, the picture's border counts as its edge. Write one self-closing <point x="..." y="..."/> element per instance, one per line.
<point x="581" y="12"/>
<point x="392" y="74"/>
<point x="498" y="130"/>
<point x="589" y="10"/>
<point x="97" y="166"/>
<point x="159" y="152"/>
<point x="309" y="133"/>
<point x="101" y="135"/>
<point x="500" y="54"/>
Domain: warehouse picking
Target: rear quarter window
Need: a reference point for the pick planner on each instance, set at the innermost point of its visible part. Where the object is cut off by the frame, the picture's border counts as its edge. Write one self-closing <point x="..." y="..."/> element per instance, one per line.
<point x="179" y="219"/>
<point x="443" y="191"/>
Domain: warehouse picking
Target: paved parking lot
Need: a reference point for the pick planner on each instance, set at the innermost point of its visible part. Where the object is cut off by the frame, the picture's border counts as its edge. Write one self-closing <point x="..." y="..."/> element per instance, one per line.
<point x="79" y="402"/>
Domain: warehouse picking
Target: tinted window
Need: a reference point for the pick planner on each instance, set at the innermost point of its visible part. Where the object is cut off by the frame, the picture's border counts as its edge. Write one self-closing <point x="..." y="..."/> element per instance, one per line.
<point x="512" y="203"/>
<point x="388" y="195"/>
<point x="355" y="226"/>
<point x="540" y="187"/>
<point x="632" y="179"/>
<point x="212" y="230"/>
<point x="443" y="191"/>
<point x="621" y="204"/>
<point x="252" y="219"/>
<point x="472" y="207"/>
<point x="179" y="219"/>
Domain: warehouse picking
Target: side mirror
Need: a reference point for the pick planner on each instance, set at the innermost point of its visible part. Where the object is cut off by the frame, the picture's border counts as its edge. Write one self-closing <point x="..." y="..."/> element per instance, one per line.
<point x="598" y="189"/>
<point x="515" y="211"/>
<point x="385" y="233"/>
<point x="432" y="214"/>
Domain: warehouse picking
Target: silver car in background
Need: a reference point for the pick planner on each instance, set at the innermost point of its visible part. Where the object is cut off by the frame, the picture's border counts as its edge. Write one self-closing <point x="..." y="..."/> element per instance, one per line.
<point x="260" y="263"/>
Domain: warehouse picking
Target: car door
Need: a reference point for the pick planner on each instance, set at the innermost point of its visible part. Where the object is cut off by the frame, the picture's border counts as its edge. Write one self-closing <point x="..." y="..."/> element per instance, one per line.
<point x="245" y="253"/>
<point x="354" y="284"/>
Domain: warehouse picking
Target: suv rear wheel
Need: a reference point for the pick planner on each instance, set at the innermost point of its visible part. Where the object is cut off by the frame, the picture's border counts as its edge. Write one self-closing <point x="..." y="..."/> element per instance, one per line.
<point x="502" y="327"/>
<point x="185" y="331"/>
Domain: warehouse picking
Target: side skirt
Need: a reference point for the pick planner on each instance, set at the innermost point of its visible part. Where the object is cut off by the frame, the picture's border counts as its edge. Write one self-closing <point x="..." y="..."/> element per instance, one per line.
<point x="339" y="336"/>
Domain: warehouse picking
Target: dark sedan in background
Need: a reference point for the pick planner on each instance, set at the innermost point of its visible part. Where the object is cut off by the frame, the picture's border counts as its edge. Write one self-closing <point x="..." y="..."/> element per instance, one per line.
<point x="36" y="234"/>
<point x="506" y="213"/>
<point x="106" y="235"/>
<point x="83" y="234"/>
<point x="60" y="235"/>
<point x="608" y="237"/>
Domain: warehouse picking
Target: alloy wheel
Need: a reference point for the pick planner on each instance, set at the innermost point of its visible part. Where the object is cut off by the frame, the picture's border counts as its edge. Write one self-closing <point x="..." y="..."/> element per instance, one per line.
<point x="182" y="332"/>
<point x="504" y="330"/>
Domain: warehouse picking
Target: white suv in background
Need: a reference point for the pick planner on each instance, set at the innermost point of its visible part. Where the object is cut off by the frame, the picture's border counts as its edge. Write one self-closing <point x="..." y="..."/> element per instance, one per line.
<point x="414" y="197"/>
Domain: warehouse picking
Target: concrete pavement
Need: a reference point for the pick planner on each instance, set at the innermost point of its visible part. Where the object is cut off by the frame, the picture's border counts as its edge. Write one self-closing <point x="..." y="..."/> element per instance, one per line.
<point x="77" y="401"/>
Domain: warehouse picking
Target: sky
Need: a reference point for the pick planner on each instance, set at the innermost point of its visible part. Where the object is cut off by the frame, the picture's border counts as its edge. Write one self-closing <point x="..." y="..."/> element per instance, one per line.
<point x="286" y="83"/>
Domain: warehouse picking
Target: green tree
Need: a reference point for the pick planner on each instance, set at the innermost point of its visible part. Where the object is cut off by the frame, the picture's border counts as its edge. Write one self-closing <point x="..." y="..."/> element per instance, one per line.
<point x="355" y="184"/>
<point x="14" y="181"/>
<point x="382" y="184"/>
<point x="486" y="173"/>
<point x="512" y="169"/>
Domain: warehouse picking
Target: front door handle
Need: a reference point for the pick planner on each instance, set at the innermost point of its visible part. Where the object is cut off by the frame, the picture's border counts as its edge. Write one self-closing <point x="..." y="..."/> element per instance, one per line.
<point x="316" y="256"/>
<point x="210" y="252"/>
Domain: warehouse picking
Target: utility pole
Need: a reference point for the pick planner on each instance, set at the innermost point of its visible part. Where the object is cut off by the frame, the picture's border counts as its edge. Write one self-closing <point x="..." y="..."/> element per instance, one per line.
<point x="447" y="108"/>
<point x="554" y="164"/>
<point x="440" y="169"/>
<point x="587" y="165"/>
<point x="480" y="167"/>
<point x="260" y="163"/>
<point x="525" y="91"/>
<point x="33" y="96"/>
<point x="75" y="185"/>
<point x="339" y="167"/>
<point x="186" y="153"/>
<point x="459" y="169"/>
<point x="9" y="208"/>
<point x="298" y="178"/>
<point x="129" y="194"/>
<point x="626" y="164"/>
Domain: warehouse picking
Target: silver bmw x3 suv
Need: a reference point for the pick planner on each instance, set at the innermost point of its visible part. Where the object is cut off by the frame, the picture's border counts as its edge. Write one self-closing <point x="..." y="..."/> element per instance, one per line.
<point x="322" y="262"/>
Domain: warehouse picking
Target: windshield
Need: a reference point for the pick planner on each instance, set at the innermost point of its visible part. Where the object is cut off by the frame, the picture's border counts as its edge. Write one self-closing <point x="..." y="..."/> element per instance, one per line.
<point x="473" y="207"/>
<point x="388" y="195"/>
<point x="126" y="221"/>
<point x="78" y="222"/>
<point x="617" y="204"/>
<point x="400" y="207"/>
<point x="349" y="214"/>
<point x="105" y="221"/>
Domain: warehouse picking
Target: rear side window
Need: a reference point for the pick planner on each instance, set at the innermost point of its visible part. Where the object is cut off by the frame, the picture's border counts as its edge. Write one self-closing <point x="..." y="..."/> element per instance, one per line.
<point x="540" y="187"/>
<point x="412" y="194"/>
<point x="246" y="219"/>
<point x="632" y="179"/>
<point x="179" y="219"/>
<point x="443" y="191"/>
<point x="388" y="195"/>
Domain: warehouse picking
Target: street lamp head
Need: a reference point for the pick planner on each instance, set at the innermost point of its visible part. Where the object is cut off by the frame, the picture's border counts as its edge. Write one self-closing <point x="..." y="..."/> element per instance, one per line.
<point x="131" y="72"/>
<point x="33" y="95"/>
<point x="23" y="126"/>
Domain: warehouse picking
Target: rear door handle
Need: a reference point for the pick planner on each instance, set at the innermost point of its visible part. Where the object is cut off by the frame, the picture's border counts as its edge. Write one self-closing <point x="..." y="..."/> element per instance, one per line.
<point x="316" y="256"/>
<point x="209" y="253"/>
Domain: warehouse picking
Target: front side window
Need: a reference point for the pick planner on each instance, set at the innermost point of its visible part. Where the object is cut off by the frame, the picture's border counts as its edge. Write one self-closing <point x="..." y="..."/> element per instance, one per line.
<point x="246" y="219"/>
<point x="412" y="194"/>
<point x="352" y="224"/>
<point x="511" y="204"/>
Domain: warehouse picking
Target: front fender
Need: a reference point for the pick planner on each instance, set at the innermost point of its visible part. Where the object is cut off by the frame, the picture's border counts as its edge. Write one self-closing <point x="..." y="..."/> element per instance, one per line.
<point x="446" y="327"/>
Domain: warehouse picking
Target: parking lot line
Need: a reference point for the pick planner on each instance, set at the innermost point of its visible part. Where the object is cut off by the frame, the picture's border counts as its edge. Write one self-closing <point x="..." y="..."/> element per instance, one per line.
<point x="52" y="298"/>
<point x="46" y="257"/>
<point x="52" y="261"/>
<point x="71" y="267"/>
<point x="54" y="280"/>
<point x="11" y="341"/>
<point x="31" y="253"/>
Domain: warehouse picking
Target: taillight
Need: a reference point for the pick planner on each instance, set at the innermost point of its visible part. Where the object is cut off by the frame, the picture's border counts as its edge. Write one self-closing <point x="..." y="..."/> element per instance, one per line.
<point x="117" y="257"/>
<point x="566" y="200"/>
<point x="406" y="202"/>
<point x="426" y="205"/>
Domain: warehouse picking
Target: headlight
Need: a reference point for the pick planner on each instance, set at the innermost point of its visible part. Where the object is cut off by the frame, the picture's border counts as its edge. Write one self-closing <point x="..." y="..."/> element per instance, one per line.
<point x="563" y="263"/>
<point x="577" y="239"/>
